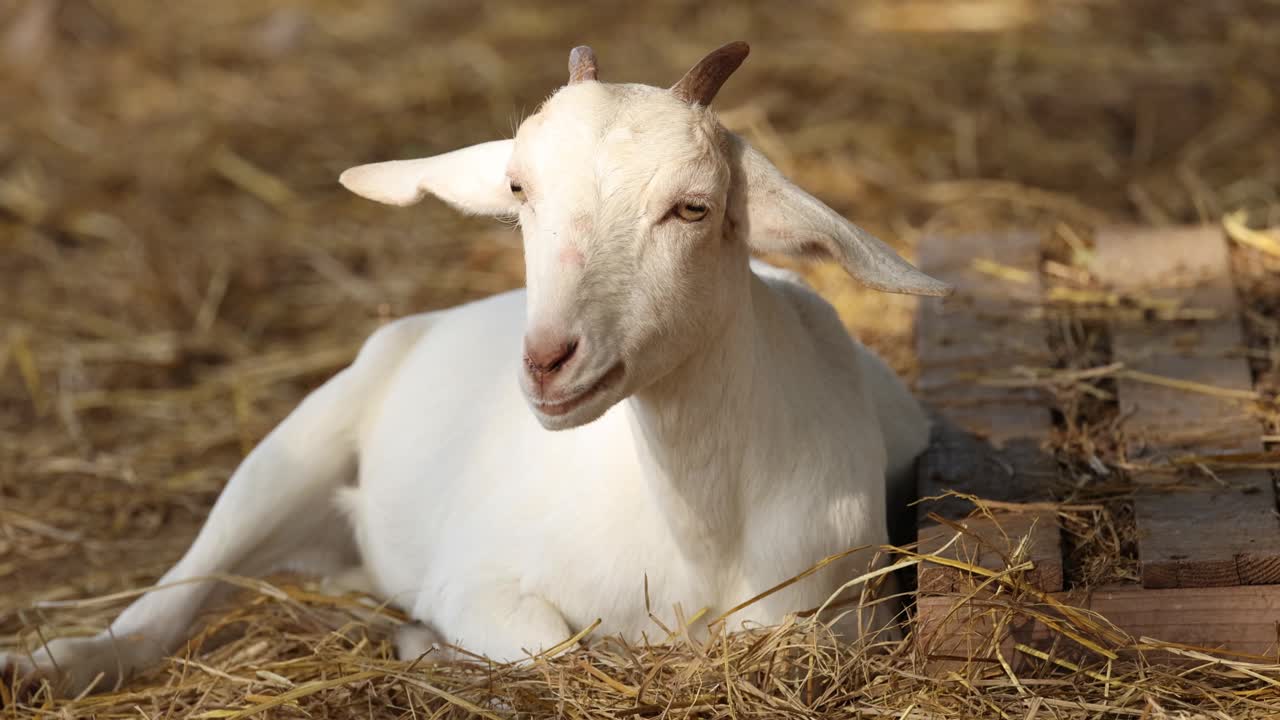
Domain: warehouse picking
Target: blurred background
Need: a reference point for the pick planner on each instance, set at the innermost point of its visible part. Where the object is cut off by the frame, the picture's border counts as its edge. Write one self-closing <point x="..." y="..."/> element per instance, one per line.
<point x="178" y="264"/>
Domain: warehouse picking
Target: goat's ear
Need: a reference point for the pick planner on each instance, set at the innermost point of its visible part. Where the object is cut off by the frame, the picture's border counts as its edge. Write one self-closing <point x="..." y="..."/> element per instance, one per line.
<point x="775" y="216"/>
<point x="473" y="179"/>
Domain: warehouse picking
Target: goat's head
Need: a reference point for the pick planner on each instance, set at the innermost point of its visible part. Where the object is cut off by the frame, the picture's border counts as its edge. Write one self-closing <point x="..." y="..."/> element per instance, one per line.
<point x="639" y="211"/>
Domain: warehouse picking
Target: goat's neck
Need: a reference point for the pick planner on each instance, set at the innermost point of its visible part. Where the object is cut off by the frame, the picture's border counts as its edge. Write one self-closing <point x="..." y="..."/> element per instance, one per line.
<point x="701" y="429"/>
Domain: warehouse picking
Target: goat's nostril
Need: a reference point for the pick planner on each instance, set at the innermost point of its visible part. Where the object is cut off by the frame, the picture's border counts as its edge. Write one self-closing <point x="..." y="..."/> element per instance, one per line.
<point x="549" y="360"/>
<point x="569" y="350"/>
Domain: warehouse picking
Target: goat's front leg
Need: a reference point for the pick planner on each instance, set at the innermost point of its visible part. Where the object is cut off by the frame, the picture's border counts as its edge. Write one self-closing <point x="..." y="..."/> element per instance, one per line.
<point x="277" y="511"/>
<point x="278" y="502"/>
<point x="495" y="621"/>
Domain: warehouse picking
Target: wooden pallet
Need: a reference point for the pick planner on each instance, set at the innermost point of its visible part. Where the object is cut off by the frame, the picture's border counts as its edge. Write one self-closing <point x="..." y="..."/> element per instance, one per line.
<point x="1210" y="557"/>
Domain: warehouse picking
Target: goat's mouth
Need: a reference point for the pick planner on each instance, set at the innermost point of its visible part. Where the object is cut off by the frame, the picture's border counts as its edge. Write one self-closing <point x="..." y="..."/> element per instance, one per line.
<point x="558" y="408"/>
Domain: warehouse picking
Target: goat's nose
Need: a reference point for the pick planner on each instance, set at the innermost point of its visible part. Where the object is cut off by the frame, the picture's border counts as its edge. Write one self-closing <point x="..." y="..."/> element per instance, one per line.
<point x="547" y="356"/>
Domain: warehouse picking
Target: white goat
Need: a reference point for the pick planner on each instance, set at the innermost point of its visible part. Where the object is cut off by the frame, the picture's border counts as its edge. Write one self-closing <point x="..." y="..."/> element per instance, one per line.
<point x="719" y="430"/>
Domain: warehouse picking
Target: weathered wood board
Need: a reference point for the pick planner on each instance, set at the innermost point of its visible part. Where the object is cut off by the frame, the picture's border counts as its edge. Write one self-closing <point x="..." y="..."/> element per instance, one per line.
<point x="1240" y="619"/>
<point x="987" y="324"/>
<point x="987" y="440"/>
<point x="1227" y="532"/>
<point x="1210" y="556"/>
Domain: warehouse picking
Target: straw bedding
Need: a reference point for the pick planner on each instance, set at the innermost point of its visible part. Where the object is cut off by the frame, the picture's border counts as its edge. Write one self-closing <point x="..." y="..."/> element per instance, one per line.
<point x="179" y="268"/>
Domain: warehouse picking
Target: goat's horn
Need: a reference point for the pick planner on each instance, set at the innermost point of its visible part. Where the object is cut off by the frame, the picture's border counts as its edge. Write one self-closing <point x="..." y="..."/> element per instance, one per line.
<point x="582" y="64"/>
<point x="700" y="85"/>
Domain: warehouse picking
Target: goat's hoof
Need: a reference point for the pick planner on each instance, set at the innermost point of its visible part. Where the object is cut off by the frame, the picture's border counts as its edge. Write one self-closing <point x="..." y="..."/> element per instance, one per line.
<point x="353" y="579"/>
<point x="70" y="666"/>
<point x="20" y="678"/>
<point x="417" y="642"/>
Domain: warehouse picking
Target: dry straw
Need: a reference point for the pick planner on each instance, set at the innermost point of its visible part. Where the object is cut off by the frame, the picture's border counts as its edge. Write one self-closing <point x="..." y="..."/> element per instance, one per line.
<point x="286" y="649"/>
<point x="178" y="267"/>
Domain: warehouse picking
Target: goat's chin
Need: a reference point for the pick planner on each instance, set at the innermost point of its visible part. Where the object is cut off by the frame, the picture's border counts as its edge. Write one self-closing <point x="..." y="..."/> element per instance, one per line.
<point x="584" y="408"/>
<point x="587" y="412"/>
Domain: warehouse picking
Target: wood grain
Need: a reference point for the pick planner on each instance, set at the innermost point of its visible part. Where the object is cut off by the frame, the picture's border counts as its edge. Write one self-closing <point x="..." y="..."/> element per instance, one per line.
<point x="1240" y="619"/>
<point x="986" y="327"/>
<point x="1225" y="531"/>
<point x="987" y="441"/>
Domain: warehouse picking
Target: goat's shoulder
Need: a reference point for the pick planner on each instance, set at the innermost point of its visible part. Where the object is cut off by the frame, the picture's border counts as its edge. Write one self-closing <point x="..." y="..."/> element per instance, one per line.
<point x="391" y="341"/>
<point x="387" y="346"/>
<point x="441" y="360"/>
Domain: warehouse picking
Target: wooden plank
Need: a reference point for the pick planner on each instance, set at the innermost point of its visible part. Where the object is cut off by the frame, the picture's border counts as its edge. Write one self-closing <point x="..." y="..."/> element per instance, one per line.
<point x="987" y="441"/>
<point x="994" y="543"/>
<point x="1241" y="619"/>
<point x="1227" y="533"/>
<point x="989" y="324"/>
<point x="1190" y="266"/>
<point x="1018" y="470"/>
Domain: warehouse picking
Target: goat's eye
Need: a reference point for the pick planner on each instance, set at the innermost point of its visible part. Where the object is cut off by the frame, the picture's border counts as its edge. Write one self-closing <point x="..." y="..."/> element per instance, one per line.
<point x="518" y="190"/>
<point x="691" y="211"/>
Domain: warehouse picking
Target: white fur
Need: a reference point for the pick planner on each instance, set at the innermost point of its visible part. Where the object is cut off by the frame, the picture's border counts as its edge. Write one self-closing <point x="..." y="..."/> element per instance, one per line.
<point x="742" y="435"/>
